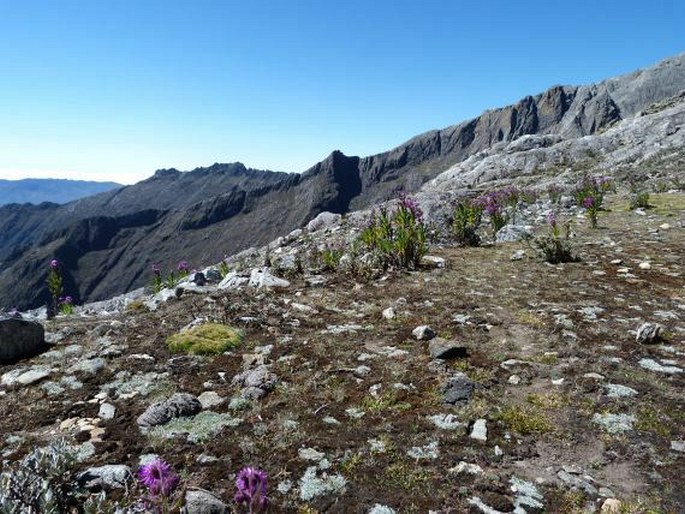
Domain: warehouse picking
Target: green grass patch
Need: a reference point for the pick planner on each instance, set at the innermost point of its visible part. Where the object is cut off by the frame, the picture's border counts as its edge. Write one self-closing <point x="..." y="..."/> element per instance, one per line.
<point x="205" y="339"/>
<point x="525" y="419"/>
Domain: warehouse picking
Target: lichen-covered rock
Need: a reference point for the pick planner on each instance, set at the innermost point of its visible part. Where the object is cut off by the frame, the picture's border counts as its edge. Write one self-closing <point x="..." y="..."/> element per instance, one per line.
<point x="649" y="333"/>
<point x="112" y="476"/>
<point x="20" y="339"/>
<point x="203" y="502"/>
<point x="179" y="405"/>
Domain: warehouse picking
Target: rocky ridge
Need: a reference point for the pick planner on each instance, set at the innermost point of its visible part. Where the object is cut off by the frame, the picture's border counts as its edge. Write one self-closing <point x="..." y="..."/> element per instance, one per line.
<point x="109" y="241"/>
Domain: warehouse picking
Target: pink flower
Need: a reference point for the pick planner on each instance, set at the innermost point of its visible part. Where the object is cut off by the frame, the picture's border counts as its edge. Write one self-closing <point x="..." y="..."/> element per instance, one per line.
<point x="588" y="202"/>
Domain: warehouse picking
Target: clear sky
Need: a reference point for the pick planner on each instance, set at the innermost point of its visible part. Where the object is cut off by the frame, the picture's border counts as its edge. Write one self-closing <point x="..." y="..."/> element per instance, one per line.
<point x="113" y="90"/>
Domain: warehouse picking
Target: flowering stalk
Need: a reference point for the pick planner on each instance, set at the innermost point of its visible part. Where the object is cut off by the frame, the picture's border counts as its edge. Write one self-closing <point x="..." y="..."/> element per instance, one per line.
<point x="251" y="490"/>
<point x="55" y="286"/>
<point x="161" y="482"/>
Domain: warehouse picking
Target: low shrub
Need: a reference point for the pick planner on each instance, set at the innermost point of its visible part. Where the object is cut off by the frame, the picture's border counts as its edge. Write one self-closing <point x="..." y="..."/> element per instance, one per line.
<point x="397" y="238"/>
<point x="467" y="217"/>
<point x="555" y="247"/>
<point x="205" y="339"/>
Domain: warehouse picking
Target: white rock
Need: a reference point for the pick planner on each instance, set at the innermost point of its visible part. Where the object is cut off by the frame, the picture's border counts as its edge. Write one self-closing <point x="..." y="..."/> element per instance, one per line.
<point x="107" y="411"/>
<point x="260" y="277"/>
<point x="479" y="431"/>
<point x="466" y="467"/>
<point x="645" y="265"/>
<point x="389" y="313"/>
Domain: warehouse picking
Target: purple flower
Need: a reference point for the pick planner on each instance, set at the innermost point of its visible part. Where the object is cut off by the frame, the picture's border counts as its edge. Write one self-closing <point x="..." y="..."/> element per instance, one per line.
<point x="158" y="477"/>
<point x="68" y="299"/>
<point x="552" y="219"/>
<point x="155" y="269"/>
<point x="251" y="486"/>
<point x="588" y="202"/>
<point x="54" y="264"/>
<point x="411" y="205"/>
<point x="183" y="266"/>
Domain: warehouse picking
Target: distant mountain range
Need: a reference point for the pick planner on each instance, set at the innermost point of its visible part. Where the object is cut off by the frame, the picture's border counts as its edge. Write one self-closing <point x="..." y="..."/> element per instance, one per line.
<point x="39" y="190"/>
<point x="108" y="241"/>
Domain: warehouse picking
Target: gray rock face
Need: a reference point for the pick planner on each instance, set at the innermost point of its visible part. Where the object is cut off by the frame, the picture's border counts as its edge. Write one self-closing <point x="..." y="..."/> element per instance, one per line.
<point x="179" y="405"/>
<point x="112" y="476"/>
<point x="458" y="388"/>
<point x="649" y="333"/>
<point x="203" y="502"/>
<point x="20" y="339"/>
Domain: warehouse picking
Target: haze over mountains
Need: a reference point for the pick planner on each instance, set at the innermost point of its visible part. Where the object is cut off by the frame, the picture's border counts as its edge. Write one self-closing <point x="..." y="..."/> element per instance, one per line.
<point x="38" y="190"/>
<point x="108" y="241"/>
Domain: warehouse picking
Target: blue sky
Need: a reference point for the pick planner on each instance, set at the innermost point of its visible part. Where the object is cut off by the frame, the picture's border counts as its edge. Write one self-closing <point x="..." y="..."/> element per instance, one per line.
<point x="113" y="90"/>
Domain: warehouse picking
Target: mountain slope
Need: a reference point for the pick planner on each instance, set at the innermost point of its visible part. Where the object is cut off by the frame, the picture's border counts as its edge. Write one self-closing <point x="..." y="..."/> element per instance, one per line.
<point x="108" y="241"/>
<point x="39" y="190"/>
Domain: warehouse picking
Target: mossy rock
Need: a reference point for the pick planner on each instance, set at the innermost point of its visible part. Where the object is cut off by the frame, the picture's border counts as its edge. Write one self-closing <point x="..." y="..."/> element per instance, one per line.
<point x="205" y="339"/>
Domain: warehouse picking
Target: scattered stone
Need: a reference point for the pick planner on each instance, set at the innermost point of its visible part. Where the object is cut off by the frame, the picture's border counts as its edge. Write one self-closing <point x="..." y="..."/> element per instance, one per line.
<point x="653" y="365"/>
<point x="527" y="495"/>
<point x="445" y="421"/>
<point x="256" y="383"/>
<point x="443" y="349"/>
<point x="203" y="502"/>
<point x="645" y="266"/>
<point x="381" y="509"/>
<point x="619" y="391"/>
<point x="210" y="399"/>
<point x="518" y="255"/>
<point x="458" y="388"/>
<point x="514" y="380"/>
<point x="261" y="278"/>
<point x="611" y="506"/>
<point x="430" y="451"/>
<point x="20" y="339"/>
<point x="389" y="313"/>
<point x="423" y="333"/>
<point x="479" y="431"/>
<point x="89" y="366"/>
<point x="649" y="333"/>
<point x="431" y="261"/>
<point x="594" y="376"/>
<point x="614" y="423"/>
<point x="233" y="280"/>
<point x="179" y="405"/>
<point x="354" y="413"/>
<point x="107" y="411"/>
<point x="112" y="476"/>
<point x="466" y="467"/>
<point x="576" y="482"/>
<point x="678" y="446"/>
<point x="24" y="377"/>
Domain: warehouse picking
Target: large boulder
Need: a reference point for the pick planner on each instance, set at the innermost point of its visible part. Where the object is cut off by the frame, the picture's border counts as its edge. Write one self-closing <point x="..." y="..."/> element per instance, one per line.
<point x="20" y="338"/>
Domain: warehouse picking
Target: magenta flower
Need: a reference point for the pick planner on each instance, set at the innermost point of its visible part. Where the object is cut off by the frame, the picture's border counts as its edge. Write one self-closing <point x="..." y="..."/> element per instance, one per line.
<point x="183" y="266"/>
<point x="54" y="264"/>
<point x="251" y="487"/>
<point x="588" y="202"/>
<point x="159" y="478"/>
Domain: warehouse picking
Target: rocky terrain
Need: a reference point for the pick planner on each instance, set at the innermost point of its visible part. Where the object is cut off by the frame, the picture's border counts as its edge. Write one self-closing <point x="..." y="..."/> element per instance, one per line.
<point x="37" y="191"/>
<point x="486" y="381"/>
<point x="107" y="242"/>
